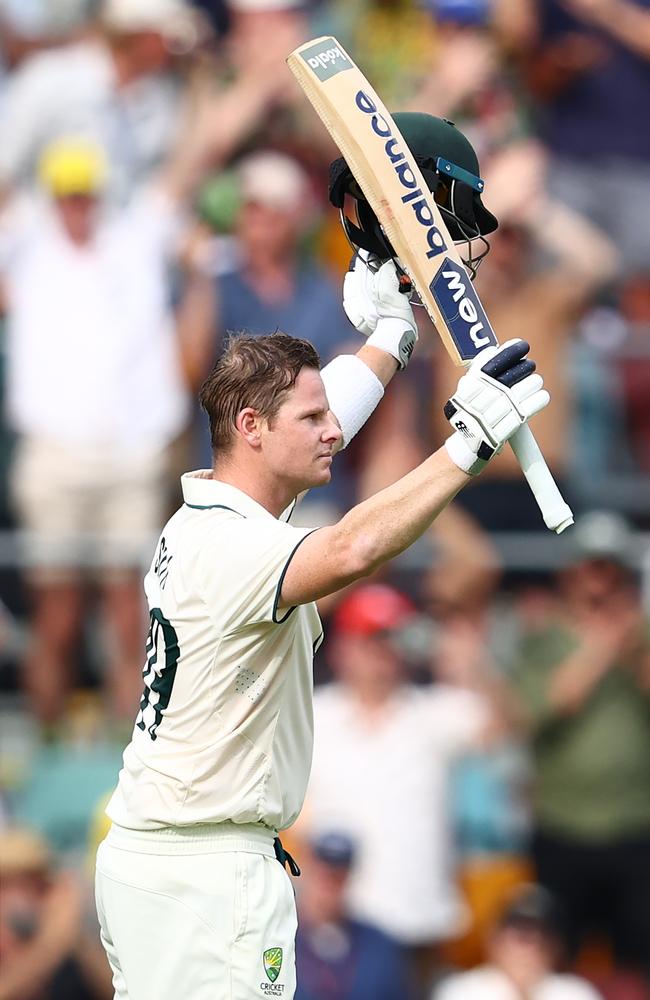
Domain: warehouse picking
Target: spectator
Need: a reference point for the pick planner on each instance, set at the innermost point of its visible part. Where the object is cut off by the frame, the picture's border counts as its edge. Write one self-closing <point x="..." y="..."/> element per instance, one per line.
<point x="45" y="951"/>
<point x="611" y="374"/>
<point x="382" y="758"/>
<point x="584" y="682"/>
<point x="338" y="958"/>
<point x="470" y="80"/>
<point x="114" y="86"/>
<point x="523" y="952"/>
<point x="591" y="73"/>
<point x="94" y="391"/>
<point x="269" y="280"/>
<point x="261" y="35"/>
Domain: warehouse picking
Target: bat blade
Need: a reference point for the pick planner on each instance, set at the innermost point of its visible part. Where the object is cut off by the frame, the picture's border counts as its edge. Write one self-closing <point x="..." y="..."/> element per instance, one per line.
<point x="391" y="181"/>
<point x="387" y="173"/>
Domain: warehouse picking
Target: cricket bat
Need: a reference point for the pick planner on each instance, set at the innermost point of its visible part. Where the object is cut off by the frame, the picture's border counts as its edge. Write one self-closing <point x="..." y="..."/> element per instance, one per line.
<point x="387" y="173"/>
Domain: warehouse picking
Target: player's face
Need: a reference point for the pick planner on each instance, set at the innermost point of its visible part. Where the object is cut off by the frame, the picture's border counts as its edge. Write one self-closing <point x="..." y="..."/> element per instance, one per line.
<point x="301" y="439"/>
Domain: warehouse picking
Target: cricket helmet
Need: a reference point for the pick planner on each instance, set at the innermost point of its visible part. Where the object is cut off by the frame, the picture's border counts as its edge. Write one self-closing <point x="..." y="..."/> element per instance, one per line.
<point x="450" y="168"/>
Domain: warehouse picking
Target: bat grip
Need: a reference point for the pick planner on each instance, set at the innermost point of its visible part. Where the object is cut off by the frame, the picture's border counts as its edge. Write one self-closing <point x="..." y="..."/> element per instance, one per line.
<point x="556" y="513"/>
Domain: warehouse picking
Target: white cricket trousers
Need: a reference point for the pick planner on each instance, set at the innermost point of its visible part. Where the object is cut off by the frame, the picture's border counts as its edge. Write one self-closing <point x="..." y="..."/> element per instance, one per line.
<point x="198" y="913"/>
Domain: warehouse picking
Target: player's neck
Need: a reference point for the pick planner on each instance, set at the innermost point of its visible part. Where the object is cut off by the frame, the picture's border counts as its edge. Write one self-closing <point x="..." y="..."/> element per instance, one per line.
<point x="268" y="493"/>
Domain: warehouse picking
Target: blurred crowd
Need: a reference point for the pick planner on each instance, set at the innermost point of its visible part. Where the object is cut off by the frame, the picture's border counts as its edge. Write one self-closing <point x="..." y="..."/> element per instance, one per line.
<point x="478" y="819"/>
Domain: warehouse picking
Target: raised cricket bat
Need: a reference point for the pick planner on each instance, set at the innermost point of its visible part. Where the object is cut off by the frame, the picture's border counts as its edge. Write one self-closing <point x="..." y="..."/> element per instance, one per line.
<point x="390" y="179"/>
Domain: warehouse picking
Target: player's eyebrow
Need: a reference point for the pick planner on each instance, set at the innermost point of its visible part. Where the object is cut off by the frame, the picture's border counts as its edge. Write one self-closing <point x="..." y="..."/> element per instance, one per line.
<point x="314" y="411"/>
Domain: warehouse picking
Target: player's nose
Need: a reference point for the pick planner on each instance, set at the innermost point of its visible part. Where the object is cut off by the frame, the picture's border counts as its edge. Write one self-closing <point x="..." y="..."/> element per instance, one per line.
<point x="332" y="433"/>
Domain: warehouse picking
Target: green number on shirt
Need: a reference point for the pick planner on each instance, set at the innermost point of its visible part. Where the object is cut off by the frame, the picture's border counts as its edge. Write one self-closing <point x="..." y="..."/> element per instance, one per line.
<point x="159" y="672"/>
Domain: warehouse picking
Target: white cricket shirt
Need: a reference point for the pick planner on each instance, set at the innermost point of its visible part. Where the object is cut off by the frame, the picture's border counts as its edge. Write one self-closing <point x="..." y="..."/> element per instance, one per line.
<point x="225" y="727"/>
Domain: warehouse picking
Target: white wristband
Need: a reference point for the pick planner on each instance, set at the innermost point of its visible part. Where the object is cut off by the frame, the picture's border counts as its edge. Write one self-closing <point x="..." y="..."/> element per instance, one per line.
<point x="353" y="391"/>
<point x="394" y="336"/>
<point x="462" y="455"/>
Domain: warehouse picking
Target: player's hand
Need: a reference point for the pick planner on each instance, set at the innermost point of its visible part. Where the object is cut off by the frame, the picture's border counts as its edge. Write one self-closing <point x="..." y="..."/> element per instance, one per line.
<point x="499" y="393"/>
<point x="376" y="306"/>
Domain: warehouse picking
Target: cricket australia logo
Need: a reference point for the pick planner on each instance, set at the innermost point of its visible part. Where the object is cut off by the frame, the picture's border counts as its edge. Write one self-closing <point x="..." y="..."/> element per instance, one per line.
<point x="272" y="958"/>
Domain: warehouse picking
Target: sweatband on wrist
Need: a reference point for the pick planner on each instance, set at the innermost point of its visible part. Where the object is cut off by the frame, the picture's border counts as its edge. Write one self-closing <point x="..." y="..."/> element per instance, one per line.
<point x="353" y="391"/>
<point x="394" y="336"/>
<point x="462" y="455"/>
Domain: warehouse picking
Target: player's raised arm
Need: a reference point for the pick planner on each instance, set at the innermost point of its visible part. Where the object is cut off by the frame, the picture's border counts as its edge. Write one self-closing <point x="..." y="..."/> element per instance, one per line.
<point x="498" y="394"/>
<point x="380" y="309"/>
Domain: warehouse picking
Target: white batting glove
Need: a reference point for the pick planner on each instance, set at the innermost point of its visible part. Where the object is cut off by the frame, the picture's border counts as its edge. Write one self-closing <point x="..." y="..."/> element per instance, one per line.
<point x="378" y="309"/>
<point x="498" y="394"/>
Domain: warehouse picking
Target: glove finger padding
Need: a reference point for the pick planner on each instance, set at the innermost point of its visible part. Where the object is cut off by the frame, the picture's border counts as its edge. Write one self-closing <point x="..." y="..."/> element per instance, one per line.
<point x="499" y="393"/>
<point x="530" y="395"/>
<point x="376" y="306"/>
<point x="391" y="300"/>
<point x="359" y="295"/>
<point x="503" y="358"/>
<point x="534" y="404"/>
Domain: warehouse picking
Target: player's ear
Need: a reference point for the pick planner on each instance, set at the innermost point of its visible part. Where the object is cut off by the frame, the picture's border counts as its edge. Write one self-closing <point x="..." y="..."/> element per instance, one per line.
<point x="249" y="424"/>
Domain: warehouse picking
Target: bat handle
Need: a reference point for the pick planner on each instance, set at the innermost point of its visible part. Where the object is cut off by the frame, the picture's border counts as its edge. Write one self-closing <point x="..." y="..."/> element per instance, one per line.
<point x="556" y="513"/>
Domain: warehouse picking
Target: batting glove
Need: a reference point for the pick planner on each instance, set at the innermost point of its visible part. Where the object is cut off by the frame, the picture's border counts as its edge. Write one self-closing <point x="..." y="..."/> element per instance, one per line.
<point x="378" y="308"/>
<point x="499" y="393"/>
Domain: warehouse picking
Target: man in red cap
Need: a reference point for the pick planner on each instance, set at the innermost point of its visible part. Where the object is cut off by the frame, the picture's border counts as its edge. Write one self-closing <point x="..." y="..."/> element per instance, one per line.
<point x="382" y="758"/>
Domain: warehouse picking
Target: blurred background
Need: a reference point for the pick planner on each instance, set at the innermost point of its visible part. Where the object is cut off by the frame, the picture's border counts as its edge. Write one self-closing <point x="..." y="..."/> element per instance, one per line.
<point x="478" y="820"/>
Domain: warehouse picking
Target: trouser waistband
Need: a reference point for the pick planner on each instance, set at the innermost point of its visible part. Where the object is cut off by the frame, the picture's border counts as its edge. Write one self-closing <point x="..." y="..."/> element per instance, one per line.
<point x="203" y="838"/>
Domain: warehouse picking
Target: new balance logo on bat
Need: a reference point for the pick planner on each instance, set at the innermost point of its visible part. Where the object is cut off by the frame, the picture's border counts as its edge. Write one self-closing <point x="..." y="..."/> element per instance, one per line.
<point x="459" y="304"/>
<point x="404" y="172"/>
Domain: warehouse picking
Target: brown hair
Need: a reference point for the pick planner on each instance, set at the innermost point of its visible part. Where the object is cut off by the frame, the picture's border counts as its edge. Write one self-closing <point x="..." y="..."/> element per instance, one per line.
<point x="256" y="372"/>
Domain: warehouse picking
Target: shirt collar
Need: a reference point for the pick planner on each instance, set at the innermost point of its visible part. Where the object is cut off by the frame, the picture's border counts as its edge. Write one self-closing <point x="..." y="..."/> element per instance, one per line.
<point x="201" y="490"/>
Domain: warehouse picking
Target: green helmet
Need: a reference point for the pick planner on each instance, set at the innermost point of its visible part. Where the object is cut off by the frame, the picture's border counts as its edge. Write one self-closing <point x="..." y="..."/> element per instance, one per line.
<point x="450" y="168"/>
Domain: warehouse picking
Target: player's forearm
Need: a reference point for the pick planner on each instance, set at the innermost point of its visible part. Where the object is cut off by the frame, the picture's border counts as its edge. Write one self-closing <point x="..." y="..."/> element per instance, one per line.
<point x="389" y="522"/>
<point x="372" y="532"/>
<point x="382" y="364"/>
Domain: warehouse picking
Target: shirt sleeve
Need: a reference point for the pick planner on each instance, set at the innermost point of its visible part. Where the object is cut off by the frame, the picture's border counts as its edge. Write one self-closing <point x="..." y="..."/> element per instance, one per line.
<point x="241" y="568"/>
